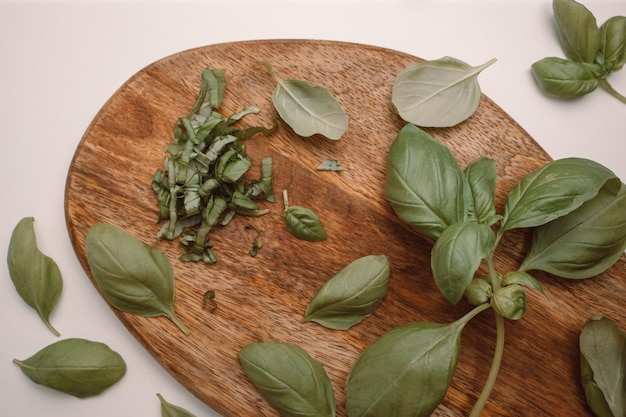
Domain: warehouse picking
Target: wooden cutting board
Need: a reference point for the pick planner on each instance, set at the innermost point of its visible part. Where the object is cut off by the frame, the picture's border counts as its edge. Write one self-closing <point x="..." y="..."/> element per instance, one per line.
<point x="264" y="297"/>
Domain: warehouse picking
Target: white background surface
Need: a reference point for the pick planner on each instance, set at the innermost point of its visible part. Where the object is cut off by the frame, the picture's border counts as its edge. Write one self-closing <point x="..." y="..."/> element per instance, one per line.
<point x="61" y="60"/>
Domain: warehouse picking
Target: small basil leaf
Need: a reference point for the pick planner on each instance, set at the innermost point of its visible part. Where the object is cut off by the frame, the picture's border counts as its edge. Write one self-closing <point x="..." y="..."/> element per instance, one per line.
<point x="308" y="109"/>
<point x="78" y="367"/>
<point x="293" y="382"/>
<point x="425" y="185"/>
<point x="132" y="276"/>
<point x="510" y="302"/>
<point x="603" y="360"/>
<point x="481" y="178"/>
<point x="304" y="224"/>
<point x="457" y="255"/>
<point x="404" y="373"/>
<point x="171" y="410"/>
<point x="577" y="30"/>
<point x="36" y="277"/>
<point x="554" y="190"/>
<point x="438" y="93"/>
<point x="521" y="278"/>
<point x="564" y="78"/>
<point x="583" y="243"/>
<point x="613" y="46"/>
<point x="352" y="294"/>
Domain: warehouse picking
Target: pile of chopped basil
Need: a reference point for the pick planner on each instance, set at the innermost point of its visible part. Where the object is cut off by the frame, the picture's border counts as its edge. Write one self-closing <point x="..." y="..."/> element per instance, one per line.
<point x="202" y="184"/>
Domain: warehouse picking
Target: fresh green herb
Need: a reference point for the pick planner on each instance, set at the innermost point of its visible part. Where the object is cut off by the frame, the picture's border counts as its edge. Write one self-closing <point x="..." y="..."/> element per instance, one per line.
<point x="132" y="276"/>
<point x="308" y="109"/>
<point x="288" y="377"/>
<point x="603" y="365"/>
<point x="593" y="53"/>
<point x="36" y="277"/>
<point x="438" y="93"/>
<point x="171" y="410"/>
<point x="330" y="165"/>
<point x="570" y="203"/>
<point x="351" y="295"/>
<point x="302" y="222"/>
<point x="78" y="367"/>
<point x="202" y="185"/>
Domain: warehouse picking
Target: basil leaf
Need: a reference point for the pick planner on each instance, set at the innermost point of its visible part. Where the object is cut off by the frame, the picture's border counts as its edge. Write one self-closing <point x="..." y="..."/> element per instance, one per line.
<point x="404" y="373"/>
<point x="554" y="190"/>
<point x="171" y="410"/>
<point x="583" y="243"/>
<point x="521" y="278"/>
<point x="77" y="367"/>
<point x="211" y="92"/>
<point x="457" y="255"/>
<point x="352" y="294"/>
<point x="294" y="383"/>
<point x="36" y="277"/>
<point x="132" y="276"/>
<point x="510" y="302"/>
<point x="481" y="178"/>
<point x="613" y="44"/>
<point x="603" y="361"/>
<point x="577" y="30"/>
<point x="437" y="93"/>
<point x="564" y="78"/>
<point x="304" y="224"/>
<point x="308" y="109"/>
<point x="425" y="185"/>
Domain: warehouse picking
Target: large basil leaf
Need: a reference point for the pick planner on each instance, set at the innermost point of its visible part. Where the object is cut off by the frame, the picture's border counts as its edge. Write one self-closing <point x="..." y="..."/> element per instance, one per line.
<point x="457" y="255"/>
<point x="78" y="367"/>
<point x="603" y="366"/>
<point x="425" y="185"/>
<point x="613" y="45"/>
<point x="437" y="93"/>
<point x="564" y="78"/>
<point x="583" y="243"/>
<point x="577" y="30"/>
<point x="554" y="190"/>
<point x="132" y="276"/>
<point x="294" y="383"/>
<point x="171" y="410"/>
<point x="36" y="277"/>
<point x="308" y="109"/>
<point x="404" y="373"/>
<point x="481" y="178"/>
<point x="351" y="295"/>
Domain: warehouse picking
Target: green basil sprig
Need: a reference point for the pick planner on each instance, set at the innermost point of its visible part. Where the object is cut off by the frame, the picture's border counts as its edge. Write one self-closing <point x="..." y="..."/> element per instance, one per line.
<point x="171" y="410"/>
<point x="602" y="362"/>
<point x="36" y="277"/>
<point x="288" y="377"/>
<point x="78" y="367"/>
<point x="592" y="52"/>
<point x="132" y="276"/>
<point x="351" y="295"/>
<point x="577" y="210"/>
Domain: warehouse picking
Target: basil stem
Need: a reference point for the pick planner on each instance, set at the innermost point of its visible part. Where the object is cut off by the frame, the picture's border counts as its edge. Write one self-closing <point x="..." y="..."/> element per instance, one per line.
<point x="36" y="277"/>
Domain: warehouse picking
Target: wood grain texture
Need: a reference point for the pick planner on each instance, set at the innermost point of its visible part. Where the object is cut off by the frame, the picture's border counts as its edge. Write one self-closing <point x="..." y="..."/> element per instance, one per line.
<point x="264" y="298"/>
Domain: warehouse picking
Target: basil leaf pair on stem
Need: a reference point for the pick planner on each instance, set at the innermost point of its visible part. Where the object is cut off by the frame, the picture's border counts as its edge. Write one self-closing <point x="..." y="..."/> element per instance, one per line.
<point x="576" y="208"/>
<point x="131" y="276"/>
<point x="592" y="53"/>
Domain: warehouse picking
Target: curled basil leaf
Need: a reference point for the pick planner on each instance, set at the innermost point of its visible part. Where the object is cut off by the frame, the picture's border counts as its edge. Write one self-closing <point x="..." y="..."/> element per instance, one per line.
<point x="132" y="276"/>
<point x="583" y="243"/>
<point x="603" y="361"/>
<point x="612" y="55"/>
<point x="577" y="30"/>
<point x="510" y="302"/>
<point x="564" y="78"/>
<point x="521" y="278"/>
<point x="352" y="294"/>
<point x="406" y="372"/>
<point x="36" y="277"/>
<point x="481" y="178"/>
<point x="171" y="410"/>
<point x="425" y="185"/>
<point x="554" y="190"/>
<point x="457" y="255"/>
<point x="78" y="367"/>
<point x="308" y="109"/>
<point x="293" y="382"/>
